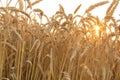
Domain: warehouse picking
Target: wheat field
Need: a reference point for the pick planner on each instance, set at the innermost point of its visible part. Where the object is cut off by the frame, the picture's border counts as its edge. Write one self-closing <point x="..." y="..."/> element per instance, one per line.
<point x="63" y="48"/>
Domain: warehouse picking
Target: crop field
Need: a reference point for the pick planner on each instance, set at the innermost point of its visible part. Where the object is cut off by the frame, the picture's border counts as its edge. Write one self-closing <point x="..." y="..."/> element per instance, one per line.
<point x="66" y="47"/>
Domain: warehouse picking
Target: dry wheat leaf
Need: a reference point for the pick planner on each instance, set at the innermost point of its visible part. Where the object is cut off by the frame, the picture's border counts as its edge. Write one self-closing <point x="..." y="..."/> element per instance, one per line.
<point x="35" y="43"/>
<point x="95" y="6"/>
<point x="18" y="34"/>
<point x="8" y="2"/>
<point x="10" y="45"/>
<point x="17" y="10"/>
<point x="34" y="3"/>
<point x="77" y="9"/>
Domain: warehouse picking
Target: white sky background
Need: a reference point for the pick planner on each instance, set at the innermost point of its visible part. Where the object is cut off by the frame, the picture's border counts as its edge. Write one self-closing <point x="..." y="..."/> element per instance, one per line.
<point x="50" y="7"/>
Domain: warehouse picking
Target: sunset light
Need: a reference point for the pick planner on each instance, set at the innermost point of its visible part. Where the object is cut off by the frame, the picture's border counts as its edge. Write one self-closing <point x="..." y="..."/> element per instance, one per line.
<point x="97" y="30"/>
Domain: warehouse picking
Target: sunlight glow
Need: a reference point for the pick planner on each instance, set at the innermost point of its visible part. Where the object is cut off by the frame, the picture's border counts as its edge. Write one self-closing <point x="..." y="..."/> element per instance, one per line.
<point x="97" y="30"/>
<point x="113" y="38"/>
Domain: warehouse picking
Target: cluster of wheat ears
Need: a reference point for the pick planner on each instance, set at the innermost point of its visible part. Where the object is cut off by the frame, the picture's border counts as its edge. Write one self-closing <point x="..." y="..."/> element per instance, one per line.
<point x="60" y="49"/>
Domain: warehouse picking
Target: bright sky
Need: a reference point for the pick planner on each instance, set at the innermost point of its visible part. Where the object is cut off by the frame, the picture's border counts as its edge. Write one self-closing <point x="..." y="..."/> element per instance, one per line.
<point x="51" y="6"/>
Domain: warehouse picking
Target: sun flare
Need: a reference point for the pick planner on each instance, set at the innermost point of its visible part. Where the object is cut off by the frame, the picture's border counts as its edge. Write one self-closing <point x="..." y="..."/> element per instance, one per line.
<point x="97" y="30"/>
